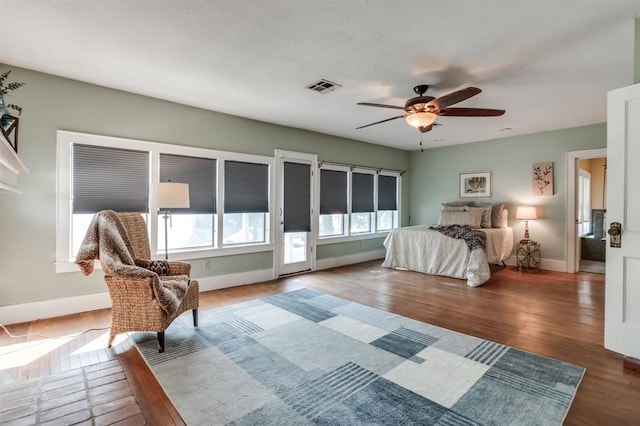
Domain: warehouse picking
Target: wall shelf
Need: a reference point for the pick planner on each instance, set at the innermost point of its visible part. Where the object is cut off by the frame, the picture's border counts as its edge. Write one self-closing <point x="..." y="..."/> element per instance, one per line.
<point x="10" y="166"/>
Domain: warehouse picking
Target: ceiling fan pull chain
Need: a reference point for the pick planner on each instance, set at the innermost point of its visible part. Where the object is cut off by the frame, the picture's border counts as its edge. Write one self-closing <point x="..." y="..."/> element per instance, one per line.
<point x="421" y="147"/>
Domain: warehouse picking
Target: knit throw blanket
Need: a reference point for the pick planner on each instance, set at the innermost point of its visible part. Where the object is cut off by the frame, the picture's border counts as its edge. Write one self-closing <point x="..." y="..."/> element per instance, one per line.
<point x="107" y="241"/>
<point x="474" y="239"/>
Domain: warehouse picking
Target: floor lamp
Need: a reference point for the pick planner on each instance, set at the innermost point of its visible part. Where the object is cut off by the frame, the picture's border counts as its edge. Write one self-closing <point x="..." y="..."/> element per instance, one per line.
<point x="167" y="196"/>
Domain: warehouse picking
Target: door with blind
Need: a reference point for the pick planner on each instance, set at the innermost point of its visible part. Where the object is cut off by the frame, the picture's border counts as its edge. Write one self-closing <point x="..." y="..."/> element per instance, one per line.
<point x="295" y="230"/>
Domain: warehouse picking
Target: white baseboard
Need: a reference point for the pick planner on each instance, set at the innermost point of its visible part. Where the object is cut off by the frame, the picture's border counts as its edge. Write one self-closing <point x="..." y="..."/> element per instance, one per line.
<point x="12" y="314"/>
<point x="333" y="262"/>
<point x="546" y="264"/>
<point x="553" y="265"/>
<point x="233" y="280"/>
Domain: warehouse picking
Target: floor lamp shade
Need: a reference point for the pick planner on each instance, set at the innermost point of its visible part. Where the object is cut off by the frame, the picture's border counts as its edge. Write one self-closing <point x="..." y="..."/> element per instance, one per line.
<point x="171" y="195"/>
<point x="167" y="196"/>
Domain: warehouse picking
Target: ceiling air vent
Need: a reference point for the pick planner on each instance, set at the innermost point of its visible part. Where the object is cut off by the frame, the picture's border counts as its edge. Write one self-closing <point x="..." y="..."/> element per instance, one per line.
<point x="323" y="86"/>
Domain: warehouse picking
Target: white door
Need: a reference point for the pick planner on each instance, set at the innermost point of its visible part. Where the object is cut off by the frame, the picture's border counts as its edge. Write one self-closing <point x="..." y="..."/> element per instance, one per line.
<point x="295" y="235"/>
<point x="622" y="297"/>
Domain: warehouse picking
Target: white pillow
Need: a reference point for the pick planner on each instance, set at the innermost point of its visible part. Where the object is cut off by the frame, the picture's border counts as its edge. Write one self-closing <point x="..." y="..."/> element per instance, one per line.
<point x="450" y="208"/>
<point x="472" y="218"/>
<point x="496" y="215"/>
<point x="504" y="220"/>
<point x="486" y="215"/>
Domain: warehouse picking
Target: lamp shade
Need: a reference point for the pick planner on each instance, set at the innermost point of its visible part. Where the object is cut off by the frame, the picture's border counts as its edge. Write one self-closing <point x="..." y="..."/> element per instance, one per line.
<point x="171" y="195"/>
<point x="421" y="119"/>
<point x="526" y="213"/>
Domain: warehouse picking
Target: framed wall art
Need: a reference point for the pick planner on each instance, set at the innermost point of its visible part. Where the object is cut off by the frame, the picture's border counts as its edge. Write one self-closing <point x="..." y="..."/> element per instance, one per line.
<point x="476" y="184"/>
<point x="543" y="178"/>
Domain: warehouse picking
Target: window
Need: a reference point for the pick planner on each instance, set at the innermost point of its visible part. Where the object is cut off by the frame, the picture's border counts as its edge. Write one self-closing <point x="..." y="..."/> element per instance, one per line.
<point x="98" y="173"/>
<point x="361" y="202"/>
<point x="333" y="203"/>
<point x="127" y="174"/>
<point x="357" y="202"/>
<point x="194" y="226"/>
<point x="387" y="211"/>
<point x="246" y="202"/>
<point x="584" y="202"/>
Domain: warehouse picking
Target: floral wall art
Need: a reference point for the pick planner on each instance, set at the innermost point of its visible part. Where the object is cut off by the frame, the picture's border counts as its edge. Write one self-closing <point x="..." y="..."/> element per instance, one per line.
<point x="543" y="178"/>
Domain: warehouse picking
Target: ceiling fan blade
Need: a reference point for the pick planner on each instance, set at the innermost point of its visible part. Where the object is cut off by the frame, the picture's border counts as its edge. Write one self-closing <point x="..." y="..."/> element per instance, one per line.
<point x="470" y="112"/>
<point x="457" y="96"/>
<point x="380" y="105"/>
<point x="378" y="122"/>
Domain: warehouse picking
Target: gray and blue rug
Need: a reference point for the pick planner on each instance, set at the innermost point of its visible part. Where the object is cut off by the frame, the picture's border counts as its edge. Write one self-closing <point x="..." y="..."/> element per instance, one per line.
<point x="305" y="357"/>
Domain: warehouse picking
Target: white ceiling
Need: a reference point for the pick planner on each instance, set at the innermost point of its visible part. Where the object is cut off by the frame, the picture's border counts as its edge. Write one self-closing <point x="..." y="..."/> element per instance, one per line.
<point x="549" y="63"/>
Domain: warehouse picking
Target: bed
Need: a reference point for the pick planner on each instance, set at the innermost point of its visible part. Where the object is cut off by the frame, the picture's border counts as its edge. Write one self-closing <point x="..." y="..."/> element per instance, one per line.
<point x="426" y="250"/>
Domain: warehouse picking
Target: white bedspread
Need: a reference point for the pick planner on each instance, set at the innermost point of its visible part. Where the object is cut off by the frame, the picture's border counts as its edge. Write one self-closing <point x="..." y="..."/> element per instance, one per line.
<point x="421" y="249"/>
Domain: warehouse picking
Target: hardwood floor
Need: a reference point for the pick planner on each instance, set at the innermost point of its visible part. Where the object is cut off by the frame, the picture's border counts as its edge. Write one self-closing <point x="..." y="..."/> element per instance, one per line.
<point x="553" y="314"/>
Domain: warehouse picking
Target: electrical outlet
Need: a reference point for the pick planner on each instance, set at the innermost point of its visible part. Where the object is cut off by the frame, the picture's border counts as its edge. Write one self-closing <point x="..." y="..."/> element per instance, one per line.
<point x="206" y="264"/>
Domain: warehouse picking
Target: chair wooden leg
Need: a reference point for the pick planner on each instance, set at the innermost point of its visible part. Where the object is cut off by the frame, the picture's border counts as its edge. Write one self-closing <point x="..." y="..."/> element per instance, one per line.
<point x="161" y="342"/>
<point x="111" y="337"/>
<point x="195" y="317"/>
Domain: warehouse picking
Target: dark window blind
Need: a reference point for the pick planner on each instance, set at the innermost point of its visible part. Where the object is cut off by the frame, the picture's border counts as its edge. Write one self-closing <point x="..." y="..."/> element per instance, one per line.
<point x="246" y="187"/>
<point x="333" y="192"/>
<point x="199" y="173"/>
<point x="387" y="188"/>
<point x="107" y="178"/>
<point x="297" y="197"/>
<point x="361" y="192"/>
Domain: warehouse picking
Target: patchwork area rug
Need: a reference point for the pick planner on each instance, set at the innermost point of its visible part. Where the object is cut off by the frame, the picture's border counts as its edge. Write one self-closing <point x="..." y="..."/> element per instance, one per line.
<point x="304" y="357"/>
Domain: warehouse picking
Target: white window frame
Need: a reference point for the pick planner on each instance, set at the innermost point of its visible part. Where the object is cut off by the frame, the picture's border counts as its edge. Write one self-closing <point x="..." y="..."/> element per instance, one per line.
<point x="346" y="221"/>
<point x="584" y="202"/>
<point x="373" y="214"/>
<point x="65" y="139"/>
<point x="375" y="233"/>
<point x="398" y="177"/>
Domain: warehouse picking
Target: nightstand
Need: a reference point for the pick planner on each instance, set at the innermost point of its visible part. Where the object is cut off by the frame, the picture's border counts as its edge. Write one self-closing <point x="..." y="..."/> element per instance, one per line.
<point x="528" y="255"/>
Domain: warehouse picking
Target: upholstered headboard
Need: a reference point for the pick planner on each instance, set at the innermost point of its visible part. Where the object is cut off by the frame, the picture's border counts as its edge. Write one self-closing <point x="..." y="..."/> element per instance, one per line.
<point x="476" y="215"/>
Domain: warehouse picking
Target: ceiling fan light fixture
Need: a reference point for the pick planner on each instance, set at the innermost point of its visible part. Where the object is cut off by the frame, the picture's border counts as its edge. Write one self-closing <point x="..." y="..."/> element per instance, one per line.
<point x="421" y="119"/>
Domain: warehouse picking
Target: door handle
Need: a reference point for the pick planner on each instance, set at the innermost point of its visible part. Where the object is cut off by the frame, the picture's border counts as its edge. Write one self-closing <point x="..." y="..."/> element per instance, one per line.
<point x="615" y="234"/>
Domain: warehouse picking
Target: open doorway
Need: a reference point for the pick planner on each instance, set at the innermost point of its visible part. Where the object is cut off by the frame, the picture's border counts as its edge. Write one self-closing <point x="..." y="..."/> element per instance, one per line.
<point x="592" y="210"/>
<point x="586" y="196"/>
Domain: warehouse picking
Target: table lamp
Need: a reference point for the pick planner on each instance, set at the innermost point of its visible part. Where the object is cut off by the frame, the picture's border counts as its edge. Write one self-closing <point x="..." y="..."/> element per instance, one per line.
<point x="526" y="213"/>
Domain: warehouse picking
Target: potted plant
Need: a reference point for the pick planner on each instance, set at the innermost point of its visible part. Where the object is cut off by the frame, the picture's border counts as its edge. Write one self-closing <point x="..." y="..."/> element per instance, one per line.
<point x="5" y="88"/>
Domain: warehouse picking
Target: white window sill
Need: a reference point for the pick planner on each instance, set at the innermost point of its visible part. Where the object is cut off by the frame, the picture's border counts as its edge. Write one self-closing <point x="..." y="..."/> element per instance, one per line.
<point x="357" y="237"/>
<point x="184" y="255"/>
<point x="65" y="266"/>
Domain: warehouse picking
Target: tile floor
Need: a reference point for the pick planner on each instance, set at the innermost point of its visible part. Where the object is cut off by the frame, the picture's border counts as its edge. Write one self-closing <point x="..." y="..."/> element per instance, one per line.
<point x="592" y="266"/>
<point x="65" y="381"/>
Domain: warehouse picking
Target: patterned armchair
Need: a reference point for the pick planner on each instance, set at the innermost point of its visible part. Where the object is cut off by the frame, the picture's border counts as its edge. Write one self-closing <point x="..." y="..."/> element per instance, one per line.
<point x="133" y="304"/>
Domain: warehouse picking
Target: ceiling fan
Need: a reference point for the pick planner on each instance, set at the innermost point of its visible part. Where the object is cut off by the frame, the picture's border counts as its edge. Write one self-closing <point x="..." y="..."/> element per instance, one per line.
<point x="421" y="111"/>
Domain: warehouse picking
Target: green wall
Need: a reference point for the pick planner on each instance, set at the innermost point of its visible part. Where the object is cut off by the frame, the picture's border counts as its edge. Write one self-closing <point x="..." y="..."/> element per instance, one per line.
<point x="636" y="52"/>
<point x="27" y="246"/>
<point x="435" y="177"/>
<point x="327" y="251"/>
<point x="28" y="225"/>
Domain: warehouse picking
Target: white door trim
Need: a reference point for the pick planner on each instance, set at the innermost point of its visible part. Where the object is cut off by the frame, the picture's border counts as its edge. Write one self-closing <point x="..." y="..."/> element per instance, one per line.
<point x="571" y="238"/>
<point x="280" y="156"/>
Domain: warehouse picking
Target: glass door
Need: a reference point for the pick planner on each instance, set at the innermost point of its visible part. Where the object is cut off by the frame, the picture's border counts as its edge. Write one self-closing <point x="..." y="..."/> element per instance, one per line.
<point x="295" y="233"/>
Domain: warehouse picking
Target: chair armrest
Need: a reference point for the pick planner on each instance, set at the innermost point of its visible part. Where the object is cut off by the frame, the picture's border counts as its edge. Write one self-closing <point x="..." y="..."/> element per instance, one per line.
<point x="179" y="268"/>
<point x="136" y="291"/>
